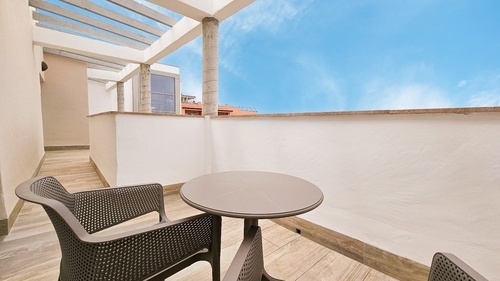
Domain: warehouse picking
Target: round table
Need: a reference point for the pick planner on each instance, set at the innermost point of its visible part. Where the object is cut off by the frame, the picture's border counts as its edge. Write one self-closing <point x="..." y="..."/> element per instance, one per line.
<point x="251" y="195"/>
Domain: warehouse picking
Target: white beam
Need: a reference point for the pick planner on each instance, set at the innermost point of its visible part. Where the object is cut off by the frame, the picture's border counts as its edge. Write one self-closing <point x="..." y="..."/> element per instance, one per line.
<point x="132" y="69"/>
<point x="102" y="75"/>
<point x="125" y="74"/>
<point x="89" y="21"/>
<point x="107" y="64"/>
<point x="145" y="11"/>
<point x="165" y="68"/>
<point x="110" y="85"/>
<point x="110" y="14"/>
<point x="129" y="71"/>
<point x="223" y="9"/>
<point x="84" y="46"/>
<point x="194" y="9"/>
<point x="70" y="27"/>
<point x="102" y="67"/>
<point x="181" y="33"/>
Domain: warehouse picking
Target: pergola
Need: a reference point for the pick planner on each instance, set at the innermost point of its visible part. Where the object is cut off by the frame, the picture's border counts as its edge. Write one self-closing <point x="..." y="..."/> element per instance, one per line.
<point x="121" y="38"/>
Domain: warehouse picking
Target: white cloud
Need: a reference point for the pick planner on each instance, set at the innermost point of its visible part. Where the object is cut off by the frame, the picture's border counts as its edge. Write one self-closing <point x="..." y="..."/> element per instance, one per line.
<point x="268" y="16"/>
<point x="405" y="96"/>
<point x="482" y="90"/>
<point x="486" y="98"/>
<point x="462" y="83"/>
<point x="318" y="85"/>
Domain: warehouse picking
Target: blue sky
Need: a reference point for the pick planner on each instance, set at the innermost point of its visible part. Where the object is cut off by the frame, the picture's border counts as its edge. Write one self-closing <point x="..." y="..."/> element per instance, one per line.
<point x="284" y="56"/>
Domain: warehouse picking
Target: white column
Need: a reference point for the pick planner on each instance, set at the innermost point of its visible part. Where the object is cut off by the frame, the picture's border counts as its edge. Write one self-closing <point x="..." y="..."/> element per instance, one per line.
<point x="145" y="88"/>
<point x="210" y="67"/>
<point x="120" y="96"/>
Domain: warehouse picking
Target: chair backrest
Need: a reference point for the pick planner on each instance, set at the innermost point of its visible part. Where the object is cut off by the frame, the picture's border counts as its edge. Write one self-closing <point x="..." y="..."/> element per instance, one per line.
<point x="447" y="267"/>
<point x="59" y="206"/>
<point x="248" y="264"/>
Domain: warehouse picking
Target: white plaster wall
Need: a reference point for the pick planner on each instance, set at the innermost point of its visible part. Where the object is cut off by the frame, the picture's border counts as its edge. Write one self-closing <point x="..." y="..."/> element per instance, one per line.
<point x="102" y="130"/>
<point x="102" y="100"/>
<point x="21" y="133"/>
<point x="128" y="95"/>
<point x="65" y="102"/>
<point x="156" y="148"/>
<point x="409" y="184"/>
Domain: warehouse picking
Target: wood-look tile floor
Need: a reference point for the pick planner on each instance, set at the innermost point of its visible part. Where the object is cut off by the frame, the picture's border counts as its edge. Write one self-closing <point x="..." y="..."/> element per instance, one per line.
<point x="31" y="250"/>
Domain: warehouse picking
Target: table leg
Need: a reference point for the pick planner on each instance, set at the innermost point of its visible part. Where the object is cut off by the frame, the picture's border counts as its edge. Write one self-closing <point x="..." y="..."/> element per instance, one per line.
<point x="246" y="227"/>
<point x="248" y="223"/>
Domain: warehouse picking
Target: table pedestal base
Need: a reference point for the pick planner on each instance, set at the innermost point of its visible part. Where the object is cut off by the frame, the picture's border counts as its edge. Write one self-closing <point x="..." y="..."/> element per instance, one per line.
<point x="247" y="224"/>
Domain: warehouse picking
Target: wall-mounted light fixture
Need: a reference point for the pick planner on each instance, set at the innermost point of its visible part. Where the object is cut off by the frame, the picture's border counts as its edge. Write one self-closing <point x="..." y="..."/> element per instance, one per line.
<point x="44" y="66"/>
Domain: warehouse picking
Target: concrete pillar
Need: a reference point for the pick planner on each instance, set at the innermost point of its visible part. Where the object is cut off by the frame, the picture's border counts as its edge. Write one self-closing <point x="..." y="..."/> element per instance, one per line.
<point x="210" y="88"/>
<point x="145" y="88"/>
<point x="120" y="96"/>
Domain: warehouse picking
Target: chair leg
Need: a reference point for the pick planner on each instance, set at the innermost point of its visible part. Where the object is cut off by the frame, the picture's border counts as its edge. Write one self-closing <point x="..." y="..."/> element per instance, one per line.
<point x="216" y="246"/>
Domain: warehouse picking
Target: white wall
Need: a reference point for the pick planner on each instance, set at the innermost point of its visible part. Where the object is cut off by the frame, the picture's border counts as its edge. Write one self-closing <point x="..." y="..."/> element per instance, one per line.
<point x="65" y="102"/>
<point x="21" y="133"/>
<point x="101" y="100"/>
<point x="409" y="184"/>
<point x="102" y="130"/>
<point x="149" y="148"/>
<point x="155" y="148"/>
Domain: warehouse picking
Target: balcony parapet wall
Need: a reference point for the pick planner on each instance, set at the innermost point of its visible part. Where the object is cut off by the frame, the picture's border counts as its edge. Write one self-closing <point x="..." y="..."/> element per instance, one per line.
<point x="409" y="182"/>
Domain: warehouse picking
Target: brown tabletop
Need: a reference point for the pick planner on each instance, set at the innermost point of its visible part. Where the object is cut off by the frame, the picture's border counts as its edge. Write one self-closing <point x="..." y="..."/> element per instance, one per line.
<point x="251" y="194"/>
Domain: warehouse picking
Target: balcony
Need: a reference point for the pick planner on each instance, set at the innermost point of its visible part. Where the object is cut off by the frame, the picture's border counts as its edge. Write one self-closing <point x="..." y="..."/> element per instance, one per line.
<point x="399" y="185"/>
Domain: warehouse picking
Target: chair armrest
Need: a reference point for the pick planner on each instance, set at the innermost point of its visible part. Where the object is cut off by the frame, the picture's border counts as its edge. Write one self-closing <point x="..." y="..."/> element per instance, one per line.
<point x="102" y="208"/>
<point x="248" y="263"/>
<point x="184" y="222"/>
<point x="152" y="249"/>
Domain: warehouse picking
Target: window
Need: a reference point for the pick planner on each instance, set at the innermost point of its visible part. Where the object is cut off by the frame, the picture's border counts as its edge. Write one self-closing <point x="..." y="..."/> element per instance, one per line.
<point x="162" y="94"/>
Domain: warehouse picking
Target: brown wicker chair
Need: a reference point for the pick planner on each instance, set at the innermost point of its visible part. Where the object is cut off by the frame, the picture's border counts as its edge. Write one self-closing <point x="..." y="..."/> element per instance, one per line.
<point x="154" y="252"/>
<point x="248" y="264"/>
<point x="447" y="267"/>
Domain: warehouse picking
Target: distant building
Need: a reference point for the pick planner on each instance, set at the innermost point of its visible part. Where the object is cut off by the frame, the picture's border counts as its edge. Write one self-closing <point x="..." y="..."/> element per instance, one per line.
<point x="189" y="107"/>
